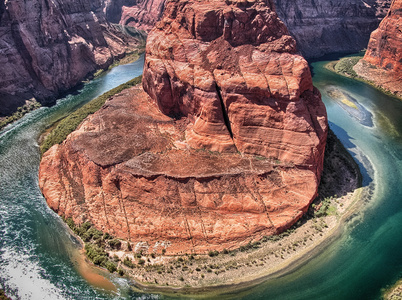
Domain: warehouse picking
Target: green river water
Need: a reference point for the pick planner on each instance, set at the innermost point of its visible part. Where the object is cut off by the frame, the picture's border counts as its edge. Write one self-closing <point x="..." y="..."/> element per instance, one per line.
<point x="38" y="255"/>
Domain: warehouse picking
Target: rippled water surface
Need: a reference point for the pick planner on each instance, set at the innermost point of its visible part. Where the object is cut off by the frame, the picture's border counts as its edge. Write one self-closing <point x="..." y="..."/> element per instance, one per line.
<point x="39" y="258"/>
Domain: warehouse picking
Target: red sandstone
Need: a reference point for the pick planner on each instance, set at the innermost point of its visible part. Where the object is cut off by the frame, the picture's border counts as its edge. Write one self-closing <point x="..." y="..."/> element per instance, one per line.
<point x="382" y="62"/>
<point x="228" y="147"/>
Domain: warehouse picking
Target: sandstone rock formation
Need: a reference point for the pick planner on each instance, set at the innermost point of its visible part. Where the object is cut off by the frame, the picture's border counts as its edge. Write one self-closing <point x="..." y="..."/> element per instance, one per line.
<point x="319" y="27"/>
<point x="141" y="14"/>
<point x="382" y="62"/>
<point x="47" y="47"/>
<point x="227" y="147"/>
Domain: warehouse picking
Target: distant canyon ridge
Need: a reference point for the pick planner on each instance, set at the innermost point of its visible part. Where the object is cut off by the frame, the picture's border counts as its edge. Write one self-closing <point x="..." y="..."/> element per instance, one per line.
<point x="319" y="26"/>
<point x="47" y="47"/>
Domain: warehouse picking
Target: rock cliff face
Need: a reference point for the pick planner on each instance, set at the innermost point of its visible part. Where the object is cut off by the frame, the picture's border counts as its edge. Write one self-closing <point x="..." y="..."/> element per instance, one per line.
<point x="233" y="70"/>
<point x="47" y="47"/>
<point x="141" y="14"/>
<point x="227" y="147"/>
<point x="322" y="26"/>
<point x="319" y="26"/>
<point x="382" y="62"/>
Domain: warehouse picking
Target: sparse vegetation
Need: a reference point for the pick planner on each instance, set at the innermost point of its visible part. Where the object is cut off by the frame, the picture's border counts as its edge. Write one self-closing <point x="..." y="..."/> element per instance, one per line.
<point x="21" y="111"/>
<point x="97" y="244"/>
<point x="192" y="269"/>
<point x="325" y="208"/>
<point x="127" y="59"/>
<point x="346" y="64"/>
<point x="71" y="122"/>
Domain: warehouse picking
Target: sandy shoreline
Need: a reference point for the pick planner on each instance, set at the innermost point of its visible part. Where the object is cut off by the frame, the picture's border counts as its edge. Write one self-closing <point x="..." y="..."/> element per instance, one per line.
<point x="202" y="276"/>
<point x="331" y="67"/>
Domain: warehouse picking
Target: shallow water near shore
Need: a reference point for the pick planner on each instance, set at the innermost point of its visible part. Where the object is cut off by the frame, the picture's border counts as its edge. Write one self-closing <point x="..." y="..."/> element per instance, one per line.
<point x="37" y="251"/>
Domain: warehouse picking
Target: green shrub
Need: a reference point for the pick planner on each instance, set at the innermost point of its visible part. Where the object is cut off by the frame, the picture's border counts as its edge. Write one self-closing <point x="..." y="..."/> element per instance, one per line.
<point x="115" y="243"/>
<point x="71" y="122"/>
<point x="21" y="111"/>
<point x="70" y="223"/>
<point x="99" y="260"/>
<point x="96" y="254"/>
<point x="111" y="267"/>
<point x="95" y="233"/>
<point x="346" y="64"/>
<point x="127" y="262"/>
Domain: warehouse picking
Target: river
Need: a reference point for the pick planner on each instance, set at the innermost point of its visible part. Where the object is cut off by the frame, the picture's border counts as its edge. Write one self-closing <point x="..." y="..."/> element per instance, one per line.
<point x="38" y="255"/>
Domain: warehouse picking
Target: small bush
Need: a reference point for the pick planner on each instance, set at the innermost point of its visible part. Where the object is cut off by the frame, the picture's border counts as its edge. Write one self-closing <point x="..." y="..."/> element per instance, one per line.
<point x="96" y="254"/>
<point x="127" y="262"/>
<point x="111" y="267"/>
<point x="115" y="243"/>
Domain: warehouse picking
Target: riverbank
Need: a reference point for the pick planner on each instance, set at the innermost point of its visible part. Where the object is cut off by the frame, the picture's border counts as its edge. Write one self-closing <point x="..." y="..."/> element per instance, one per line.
<point x="29" y="106"/>
<point x="346" y="67"/>
<point x="394" y="292"/>
<point x="32" y="104"/>
<point x="235" y="269"/>
<point x="64" y="127"/>
<point x="127" y="59"/>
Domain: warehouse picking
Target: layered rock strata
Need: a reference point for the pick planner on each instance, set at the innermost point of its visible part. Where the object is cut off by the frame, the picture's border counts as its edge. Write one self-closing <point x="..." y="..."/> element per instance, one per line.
<point x="235" y="72"/>
<point x="47" y="47"/>
<point x="319" y="27"/>
<point x="142" y="14"/>
<point x="227" y="147"/>
<point x="382" y="63"/>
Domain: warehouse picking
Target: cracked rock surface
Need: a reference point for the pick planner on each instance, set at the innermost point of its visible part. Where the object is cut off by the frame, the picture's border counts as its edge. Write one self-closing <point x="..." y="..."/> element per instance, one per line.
<point x="224" y="144"/>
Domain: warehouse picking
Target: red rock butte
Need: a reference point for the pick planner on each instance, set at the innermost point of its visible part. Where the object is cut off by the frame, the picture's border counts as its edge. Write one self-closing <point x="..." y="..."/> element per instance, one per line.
<point x="225" y="146"/>
<point x="382" y="62"/>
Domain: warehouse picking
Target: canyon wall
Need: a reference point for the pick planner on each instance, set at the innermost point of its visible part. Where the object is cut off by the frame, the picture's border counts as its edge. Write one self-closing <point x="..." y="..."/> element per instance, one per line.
<point x="223" y="144"/>
<point x="382" y="63"/>
<point x="47" y="47"/>
<point x="319" y="26"/>
<point x="141" y="14"/>
<point x="337" y="26"/>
